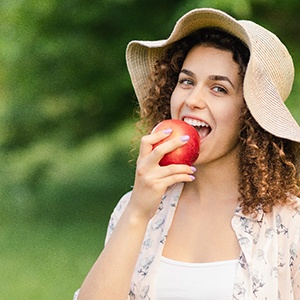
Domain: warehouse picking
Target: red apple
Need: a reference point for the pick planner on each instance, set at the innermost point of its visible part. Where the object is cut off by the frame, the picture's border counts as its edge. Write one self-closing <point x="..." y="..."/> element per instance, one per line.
<point x="186" y="154"/>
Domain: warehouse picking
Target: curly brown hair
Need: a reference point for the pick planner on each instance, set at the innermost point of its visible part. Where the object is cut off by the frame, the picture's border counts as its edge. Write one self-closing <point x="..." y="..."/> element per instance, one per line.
<point x="268" y="168"/>
<point x="267" y="163"/>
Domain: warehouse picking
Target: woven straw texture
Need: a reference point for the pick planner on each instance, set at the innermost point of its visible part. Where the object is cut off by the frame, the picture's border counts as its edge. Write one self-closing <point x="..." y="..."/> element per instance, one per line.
<point x="269" y="76"/>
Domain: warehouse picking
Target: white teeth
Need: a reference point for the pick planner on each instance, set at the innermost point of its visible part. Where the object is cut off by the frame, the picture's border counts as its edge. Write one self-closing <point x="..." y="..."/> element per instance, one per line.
<point x="194" y="122"/>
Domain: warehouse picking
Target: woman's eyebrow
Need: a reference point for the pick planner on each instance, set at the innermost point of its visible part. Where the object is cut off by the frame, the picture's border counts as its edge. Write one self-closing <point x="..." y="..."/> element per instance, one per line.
<point x="221" y="78"/>
<point x="188" y="72"/>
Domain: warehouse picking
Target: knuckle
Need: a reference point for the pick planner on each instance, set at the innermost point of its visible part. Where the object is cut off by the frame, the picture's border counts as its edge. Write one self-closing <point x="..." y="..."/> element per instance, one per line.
<point x="157" y="152"/>
<point x="140" y="171"/>
<point x="179" y="169"/>
<point x="188" y="169"/>
<point x="173" y="168"/>
<point x="144" y="139"/>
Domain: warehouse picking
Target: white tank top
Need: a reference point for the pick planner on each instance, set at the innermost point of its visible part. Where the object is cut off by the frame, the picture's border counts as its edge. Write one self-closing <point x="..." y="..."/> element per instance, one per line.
<point x="195" y="281"/>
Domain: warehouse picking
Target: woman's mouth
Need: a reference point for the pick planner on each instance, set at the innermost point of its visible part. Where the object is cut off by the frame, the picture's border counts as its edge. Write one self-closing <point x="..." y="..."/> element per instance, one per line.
<point x="203" y="128"/>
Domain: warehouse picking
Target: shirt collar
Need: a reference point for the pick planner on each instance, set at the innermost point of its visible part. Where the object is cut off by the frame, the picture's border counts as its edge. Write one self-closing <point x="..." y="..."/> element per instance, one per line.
<point x="257" y="216"/>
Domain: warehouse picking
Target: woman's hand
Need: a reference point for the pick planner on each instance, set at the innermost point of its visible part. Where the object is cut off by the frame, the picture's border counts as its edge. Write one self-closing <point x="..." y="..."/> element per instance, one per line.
<point x="152" y="180"/>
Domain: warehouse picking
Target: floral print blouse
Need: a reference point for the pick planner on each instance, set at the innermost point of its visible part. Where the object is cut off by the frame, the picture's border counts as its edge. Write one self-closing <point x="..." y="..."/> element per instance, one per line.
<point x="269" y="262"/>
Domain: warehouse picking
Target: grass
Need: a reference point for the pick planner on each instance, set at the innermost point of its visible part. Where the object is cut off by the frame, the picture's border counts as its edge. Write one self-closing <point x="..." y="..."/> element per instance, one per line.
<point x="46" y="261"/>
<point x="54" y="209"/>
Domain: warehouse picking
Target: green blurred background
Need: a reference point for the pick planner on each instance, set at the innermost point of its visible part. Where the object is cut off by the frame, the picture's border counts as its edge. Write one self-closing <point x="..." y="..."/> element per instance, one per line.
<point x="66" y="125"/>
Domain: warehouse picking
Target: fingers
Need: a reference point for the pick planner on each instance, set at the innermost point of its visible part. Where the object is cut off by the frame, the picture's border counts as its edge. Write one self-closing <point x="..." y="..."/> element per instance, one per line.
<point x="151" y="184"/>
<point x="148" y="142"/>
<point x="159" y="178"/>
<point x="152" y="180"/>
<point x="161" y="172"/>
<point x="168" y="146"/>
<point x="149" y="158"/>
<point x="175" y="178"/>
<point x="176" y="173"/>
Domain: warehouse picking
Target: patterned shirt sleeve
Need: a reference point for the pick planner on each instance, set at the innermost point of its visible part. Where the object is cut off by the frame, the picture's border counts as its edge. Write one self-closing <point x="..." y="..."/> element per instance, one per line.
<point x="117" y="213"/>
<point x="295" y="256"/>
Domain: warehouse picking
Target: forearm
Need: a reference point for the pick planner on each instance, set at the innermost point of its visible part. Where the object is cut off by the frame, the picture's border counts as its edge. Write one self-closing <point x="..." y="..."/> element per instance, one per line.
<point x="111" y="274"/>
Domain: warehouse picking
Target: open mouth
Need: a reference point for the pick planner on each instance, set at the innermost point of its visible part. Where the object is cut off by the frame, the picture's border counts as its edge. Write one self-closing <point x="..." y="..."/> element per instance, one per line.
<point x="202" y="127"/>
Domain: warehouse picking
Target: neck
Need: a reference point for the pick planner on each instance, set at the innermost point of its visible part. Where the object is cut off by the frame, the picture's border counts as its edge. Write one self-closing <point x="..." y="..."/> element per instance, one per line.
<point x="216" y="183"/>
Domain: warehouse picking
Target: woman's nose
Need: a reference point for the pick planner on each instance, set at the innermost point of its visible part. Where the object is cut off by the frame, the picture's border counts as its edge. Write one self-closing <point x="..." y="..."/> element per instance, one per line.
<point x="195" y="99"/>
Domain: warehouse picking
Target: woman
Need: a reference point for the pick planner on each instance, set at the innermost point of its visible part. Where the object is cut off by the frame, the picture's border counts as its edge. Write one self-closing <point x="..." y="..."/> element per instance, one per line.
<point x="229" y="226"/>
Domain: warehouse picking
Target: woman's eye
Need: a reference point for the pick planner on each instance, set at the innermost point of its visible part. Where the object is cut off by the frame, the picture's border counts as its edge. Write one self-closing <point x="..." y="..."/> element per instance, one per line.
<point x="220" y="89"/>
<point x="185" y="81"/>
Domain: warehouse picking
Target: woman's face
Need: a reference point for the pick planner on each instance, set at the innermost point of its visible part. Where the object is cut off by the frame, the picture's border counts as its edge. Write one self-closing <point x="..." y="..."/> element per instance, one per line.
<point x="209" y="95"/>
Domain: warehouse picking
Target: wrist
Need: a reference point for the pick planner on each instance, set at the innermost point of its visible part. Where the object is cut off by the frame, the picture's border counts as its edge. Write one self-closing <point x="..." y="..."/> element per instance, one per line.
<point x="137" y="217"/>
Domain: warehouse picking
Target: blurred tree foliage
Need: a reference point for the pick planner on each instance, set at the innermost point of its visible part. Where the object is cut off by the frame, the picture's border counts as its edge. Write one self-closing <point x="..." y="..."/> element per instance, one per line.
<point x="64" y="64"/>
<point x="65" y="93"/>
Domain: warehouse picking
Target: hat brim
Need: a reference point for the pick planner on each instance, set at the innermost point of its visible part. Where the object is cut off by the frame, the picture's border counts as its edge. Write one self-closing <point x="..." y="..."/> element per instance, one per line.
<point x="269" y="75"/>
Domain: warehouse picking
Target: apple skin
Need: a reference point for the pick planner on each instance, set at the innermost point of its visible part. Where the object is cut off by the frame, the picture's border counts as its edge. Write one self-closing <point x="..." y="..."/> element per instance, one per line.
<point x="186" y="154"/>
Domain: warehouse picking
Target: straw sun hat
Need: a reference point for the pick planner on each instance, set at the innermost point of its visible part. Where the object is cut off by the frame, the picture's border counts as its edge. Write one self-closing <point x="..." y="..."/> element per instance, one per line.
<point x="269" y="76"/>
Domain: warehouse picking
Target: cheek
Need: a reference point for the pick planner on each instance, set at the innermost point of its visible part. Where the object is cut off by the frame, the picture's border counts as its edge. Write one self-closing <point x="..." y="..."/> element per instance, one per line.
<point x="230" y="119"/>
<point x="233" y="111"/>
<point x="174" y="106"/>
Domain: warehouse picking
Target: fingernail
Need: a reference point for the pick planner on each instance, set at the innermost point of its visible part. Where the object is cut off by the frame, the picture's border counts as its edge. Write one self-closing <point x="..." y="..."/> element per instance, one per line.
<point x="167" y="131"/>
<point x="192" y="177"/>
<point x="184" y="138"/>
<point x="193" y="169"/>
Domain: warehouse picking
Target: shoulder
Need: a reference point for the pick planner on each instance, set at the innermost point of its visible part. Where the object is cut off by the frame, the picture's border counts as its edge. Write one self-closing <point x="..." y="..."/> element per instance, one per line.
<point x="118" y="210"/>
<point x="120" y="207"/>
<point x="287" y="216"/>
<point x="117" y="213"/>
<point x="289" y="212"/>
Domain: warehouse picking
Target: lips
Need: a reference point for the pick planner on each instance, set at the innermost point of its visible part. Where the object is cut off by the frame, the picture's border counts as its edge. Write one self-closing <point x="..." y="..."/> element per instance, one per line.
<point x="202" y="127"/>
